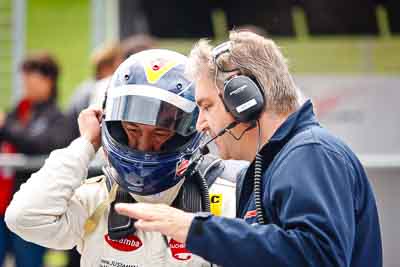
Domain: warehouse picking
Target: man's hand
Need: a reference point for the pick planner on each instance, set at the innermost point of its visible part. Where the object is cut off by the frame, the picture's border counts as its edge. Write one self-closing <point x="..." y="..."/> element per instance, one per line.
<point x="161" y="218"/>
<point x="89" y="125"/>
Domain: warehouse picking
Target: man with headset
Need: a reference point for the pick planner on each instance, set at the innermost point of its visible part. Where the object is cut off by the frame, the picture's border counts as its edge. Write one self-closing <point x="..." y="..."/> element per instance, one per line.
<point x="305" y="200"/>
<point x="148" y="134"/>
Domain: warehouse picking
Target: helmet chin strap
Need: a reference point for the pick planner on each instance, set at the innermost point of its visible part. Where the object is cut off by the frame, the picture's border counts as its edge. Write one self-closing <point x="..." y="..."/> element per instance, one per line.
<point x="165" y="197"/>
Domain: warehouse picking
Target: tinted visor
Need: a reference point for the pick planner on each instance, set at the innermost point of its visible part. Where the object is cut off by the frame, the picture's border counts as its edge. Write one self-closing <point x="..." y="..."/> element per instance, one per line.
<point x="151" y="106"/>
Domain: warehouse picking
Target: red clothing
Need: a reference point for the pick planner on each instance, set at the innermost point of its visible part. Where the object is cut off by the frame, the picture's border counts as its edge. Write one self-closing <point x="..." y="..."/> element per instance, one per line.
<point x="24" y="111"/>
<point x="6" y="180"/>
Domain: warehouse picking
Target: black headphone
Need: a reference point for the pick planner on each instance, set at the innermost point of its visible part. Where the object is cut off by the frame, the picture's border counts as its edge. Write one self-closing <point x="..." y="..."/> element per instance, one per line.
<point x="242" y="95"/>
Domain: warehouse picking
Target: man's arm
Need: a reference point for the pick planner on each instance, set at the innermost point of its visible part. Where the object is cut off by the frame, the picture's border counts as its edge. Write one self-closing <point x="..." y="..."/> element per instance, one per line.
<point x="45" y="209"/>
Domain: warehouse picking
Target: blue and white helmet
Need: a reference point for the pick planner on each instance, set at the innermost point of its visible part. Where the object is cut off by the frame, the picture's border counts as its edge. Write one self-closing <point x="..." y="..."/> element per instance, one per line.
<point x="150" y="88"/>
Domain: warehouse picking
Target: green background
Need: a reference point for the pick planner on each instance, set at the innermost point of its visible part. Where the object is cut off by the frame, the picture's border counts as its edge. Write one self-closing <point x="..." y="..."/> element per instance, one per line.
<point x="63" y="28"/>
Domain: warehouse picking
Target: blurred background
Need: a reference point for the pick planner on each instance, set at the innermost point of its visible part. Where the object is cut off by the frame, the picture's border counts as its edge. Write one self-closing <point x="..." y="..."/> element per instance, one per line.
<point x="344" y="54"/>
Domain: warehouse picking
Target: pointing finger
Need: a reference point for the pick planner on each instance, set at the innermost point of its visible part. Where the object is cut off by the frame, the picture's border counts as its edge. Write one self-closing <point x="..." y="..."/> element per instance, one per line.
<point x="148" y="226"/>
<point x="142" y="211"/>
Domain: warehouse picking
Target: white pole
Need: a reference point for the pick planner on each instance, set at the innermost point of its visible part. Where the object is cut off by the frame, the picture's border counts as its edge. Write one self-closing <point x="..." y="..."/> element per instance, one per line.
<point x="18" y="46"/>
<point x="112" y="18"/>
<point x="98" y="22"/>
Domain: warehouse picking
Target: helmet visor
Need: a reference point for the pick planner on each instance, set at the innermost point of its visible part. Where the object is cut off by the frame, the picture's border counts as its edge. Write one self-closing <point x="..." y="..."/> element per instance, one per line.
<point x="151" y="106"/>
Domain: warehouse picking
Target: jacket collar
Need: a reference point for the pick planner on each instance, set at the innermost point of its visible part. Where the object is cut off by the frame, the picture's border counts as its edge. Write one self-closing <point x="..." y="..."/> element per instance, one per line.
<point x="303" y="118"/>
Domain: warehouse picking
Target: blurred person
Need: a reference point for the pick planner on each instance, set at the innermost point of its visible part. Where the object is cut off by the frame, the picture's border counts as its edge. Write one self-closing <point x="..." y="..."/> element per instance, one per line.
<point x="105" y="61"/>
<point x="305" y="200"/>
<point x="148" y="134"/>
<point x="137" y="43"/>
<point x="34" y="127"/>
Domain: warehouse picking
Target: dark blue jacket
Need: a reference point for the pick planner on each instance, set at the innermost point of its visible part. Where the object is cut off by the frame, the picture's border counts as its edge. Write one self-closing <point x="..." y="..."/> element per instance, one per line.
<point x="319" y="206"/>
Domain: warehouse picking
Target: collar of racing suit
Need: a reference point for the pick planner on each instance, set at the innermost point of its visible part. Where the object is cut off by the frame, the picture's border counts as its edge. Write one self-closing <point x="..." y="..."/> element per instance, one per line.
<point x="165" y="197"/>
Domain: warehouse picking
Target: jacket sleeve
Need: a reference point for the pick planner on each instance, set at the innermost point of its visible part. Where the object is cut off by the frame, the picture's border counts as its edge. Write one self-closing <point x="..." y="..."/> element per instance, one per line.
<point x="310" y="198"/>
<point x="45" y="210"/>
<point x="57" y="135"/>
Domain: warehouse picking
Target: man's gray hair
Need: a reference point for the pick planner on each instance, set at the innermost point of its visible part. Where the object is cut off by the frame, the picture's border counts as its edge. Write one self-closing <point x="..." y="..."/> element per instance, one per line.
<point x="254" y="56"/>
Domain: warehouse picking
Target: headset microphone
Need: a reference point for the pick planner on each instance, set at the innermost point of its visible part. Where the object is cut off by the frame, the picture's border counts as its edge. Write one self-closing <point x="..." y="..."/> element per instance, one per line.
<point x="193" y="165"/>
<point x="204" y="149"/>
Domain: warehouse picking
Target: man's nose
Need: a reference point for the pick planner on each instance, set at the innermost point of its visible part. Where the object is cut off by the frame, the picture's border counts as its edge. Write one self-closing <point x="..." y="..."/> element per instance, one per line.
<point x="201" y="124"/>
<point x="145" y="143"/>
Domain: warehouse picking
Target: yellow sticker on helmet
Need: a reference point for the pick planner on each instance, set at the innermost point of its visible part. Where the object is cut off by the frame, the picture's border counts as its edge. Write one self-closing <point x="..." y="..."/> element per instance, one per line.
<point x="216" y="204"/>
<point x="157" y="69"/>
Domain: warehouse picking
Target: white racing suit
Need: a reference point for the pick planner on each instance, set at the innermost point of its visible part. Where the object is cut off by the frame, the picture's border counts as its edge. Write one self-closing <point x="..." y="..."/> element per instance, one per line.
<point x="52" y="207"/>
